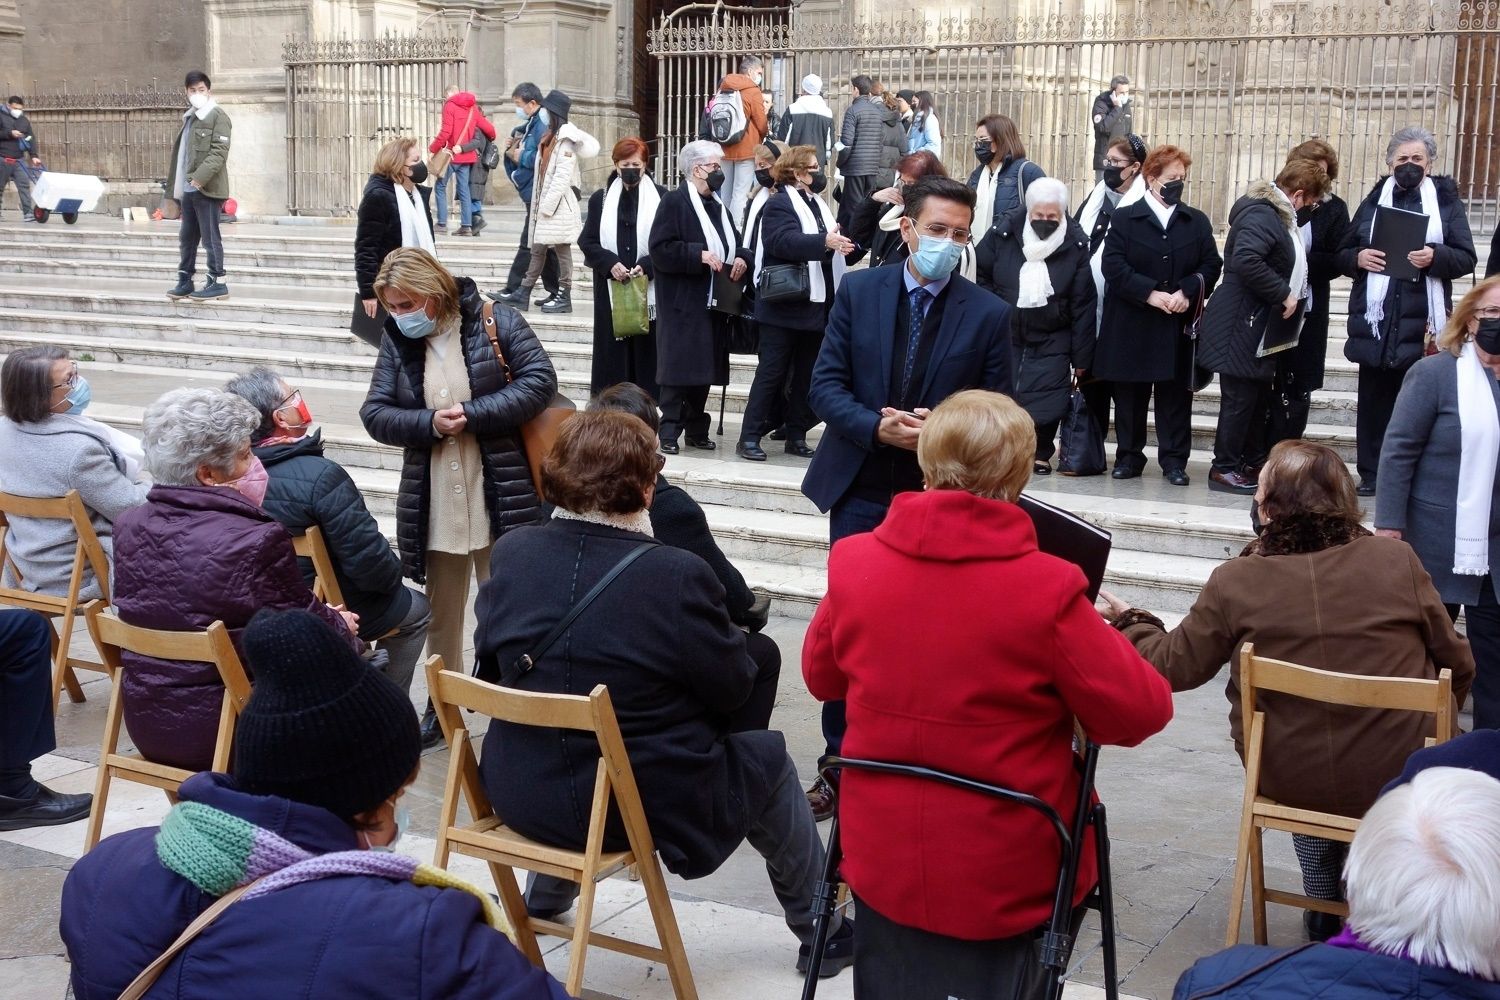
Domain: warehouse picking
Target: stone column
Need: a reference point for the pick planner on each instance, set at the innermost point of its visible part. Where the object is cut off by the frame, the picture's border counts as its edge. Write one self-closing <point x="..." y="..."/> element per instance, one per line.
<point x="12" y="33"/>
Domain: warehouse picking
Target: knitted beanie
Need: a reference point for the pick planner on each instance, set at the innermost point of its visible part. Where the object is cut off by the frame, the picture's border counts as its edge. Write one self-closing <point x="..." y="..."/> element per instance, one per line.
<point x="322" y="726"/>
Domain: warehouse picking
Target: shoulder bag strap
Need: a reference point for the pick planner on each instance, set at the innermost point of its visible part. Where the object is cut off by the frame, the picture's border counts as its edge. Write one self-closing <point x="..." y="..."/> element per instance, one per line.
<point x="492" y="331"/>
<point x="526" y="661"/>
<point x="152" y="972"/>
<point x="468" y="126"/>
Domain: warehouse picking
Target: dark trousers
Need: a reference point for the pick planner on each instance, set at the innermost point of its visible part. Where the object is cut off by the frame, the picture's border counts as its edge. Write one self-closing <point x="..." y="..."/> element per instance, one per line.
<point x="1287" y="413"/>
<point x="1098" y="394"/>
<point x="857" y="191"/>
<point x="200" y="222"/>
<point x="1046" y="440"/>
<point x="684" y="408"/>
<point x="522" y="263"/>
<point x="1174" y="426"/>
<point x="785" y="371"/>
<point x="1378" y="389"/>
<point x="1483" y="628"/>
<point x="1240" y="439"/>
<point x="25" y="698"/>
<point x="852" y="515"/>
<point x="16" y="173"/>
<point x="755" y="713"/>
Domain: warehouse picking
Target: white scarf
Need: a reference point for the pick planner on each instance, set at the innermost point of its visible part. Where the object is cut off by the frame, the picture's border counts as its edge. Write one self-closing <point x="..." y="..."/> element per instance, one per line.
<point x="1377" y="285"/>
<point x="1479" y="431"/>
<point x="1298" y="280"/>
<point x="890" y="222"/>
<point x="984" y="206"/>
<point x="1133" y="194"/>
<point x="1035" y="284"/>
<point x="817" y="287"/>
<point x="752" y="213"/>
<point x="647" y="199"/>
<point x="415" y="232"/>
<point x="711" y="238"/>
<point x="1306" y="233"/>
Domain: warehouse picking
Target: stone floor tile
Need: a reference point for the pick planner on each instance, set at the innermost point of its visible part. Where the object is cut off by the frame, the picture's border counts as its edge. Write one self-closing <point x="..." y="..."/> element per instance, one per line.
<point x="34" y="977"/>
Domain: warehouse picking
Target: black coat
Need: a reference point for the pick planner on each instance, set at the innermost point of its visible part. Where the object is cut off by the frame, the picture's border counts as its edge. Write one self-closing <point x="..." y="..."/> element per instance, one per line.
<point x="1048" y="341"/>
<point x="1492" y="266"/>
<point x="379" y="229"/>
<point x="1306" y="362"/>
<point x="784" y="242"/>
<point x="396" y="413"/>
<point x="692" y="341"/>
<point x="628" y="359"/>
<point x="307" y="490"/>
<point x="1258" y="259"/>
<point x="1010" y="191"/>
<point x="676" y="667"/>
<point x="1111" y="122"/>
<point x="11" y="146"/>
<point x="1138" y="342"/>
<point x="678" y="521"/>
<point x="1403" y="340"/>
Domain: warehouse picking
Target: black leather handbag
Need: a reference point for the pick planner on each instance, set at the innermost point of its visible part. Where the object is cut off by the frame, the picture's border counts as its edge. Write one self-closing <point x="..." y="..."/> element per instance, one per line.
<point x="783" y="283"/>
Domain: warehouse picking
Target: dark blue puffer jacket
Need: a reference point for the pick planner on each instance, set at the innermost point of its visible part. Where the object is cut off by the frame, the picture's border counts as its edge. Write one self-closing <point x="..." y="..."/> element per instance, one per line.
<point x="1323" y="972"/>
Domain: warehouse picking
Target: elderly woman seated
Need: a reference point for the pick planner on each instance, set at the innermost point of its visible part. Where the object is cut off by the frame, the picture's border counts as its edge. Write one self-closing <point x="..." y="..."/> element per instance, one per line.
<point x="48" y="447"/>
<point x="1317" y="589"/>
<point x="200" y="550"/>
<point x="974" y="654"/>
<point x="711" y="776"/>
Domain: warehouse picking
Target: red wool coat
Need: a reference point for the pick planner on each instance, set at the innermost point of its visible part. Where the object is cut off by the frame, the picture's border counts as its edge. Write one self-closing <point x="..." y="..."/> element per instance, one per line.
<point x="959" y="646"/>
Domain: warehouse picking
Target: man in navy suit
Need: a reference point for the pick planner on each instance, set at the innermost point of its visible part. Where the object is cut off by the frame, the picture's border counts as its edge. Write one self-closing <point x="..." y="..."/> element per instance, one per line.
<point x="900" y="340"/>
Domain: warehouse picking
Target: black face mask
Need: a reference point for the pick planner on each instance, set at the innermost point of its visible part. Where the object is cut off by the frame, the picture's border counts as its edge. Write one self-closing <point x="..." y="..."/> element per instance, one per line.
<point x="1256" y="524"/>
<point x="1044" y="228"/>
<point x="1305" y="214"/>
<point x="715" y="180"/>
<point x="1408" y="176"/>
<point x="1488" y="336"/>
<point x="630" y="176"/>
<point x="1171" y="193"/>
<point x="1113" y="176"/>
<point x="763" y="178"/>
<point x="418" y="172"/>
<point x="983" y="153"/>
<point x="818" y="183"/>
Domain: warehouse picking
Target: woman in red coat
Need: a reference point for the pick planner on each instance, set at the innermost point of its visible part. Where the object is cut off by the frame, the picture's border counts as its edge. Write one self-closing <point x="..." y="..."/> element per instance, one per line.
<point x="959" y="646"/>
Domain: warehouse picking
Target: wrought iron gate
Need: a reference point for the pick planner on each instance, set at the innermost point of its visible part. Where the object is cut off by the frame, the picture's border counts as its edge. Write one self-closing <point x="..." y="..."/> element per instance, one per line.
<point x="346" y="98"/>
<point x="1235" y="89"/>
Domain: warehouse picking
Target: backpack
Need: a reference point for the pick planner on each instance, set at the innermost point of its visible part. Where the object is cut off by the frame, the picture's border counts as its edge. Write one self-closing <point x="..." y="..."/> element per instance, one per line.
<point x="724" y="122"/>
<point x="490" y="158"/>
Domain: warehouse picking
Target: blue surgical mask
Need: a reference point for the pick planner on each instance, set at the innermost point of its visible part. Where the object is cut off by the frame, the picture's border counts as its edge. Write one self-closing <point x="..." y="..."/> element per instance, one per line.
<point x="79" y="397"/>
<point x="402" y="819"/>
<point x="936" y="257"/>
<point x="416" y="324"/>
<point x="521" y="113"/>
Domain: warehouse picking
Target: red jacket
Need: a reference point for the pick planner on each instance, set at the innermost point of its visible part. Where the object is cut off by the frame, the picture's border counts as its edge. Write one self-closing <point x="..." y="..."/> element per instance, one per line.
<point x="959" y="646"/>
<point x="453" y="133"/>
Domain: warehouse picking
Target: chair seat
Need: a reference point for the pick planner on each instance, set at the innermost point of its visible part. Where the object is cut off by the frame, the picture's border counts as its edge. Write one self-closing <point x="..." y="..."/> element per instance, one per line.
<point x="491" y="840"/>
<point x="1330" y="826"/>
<point x="148" y="772"/>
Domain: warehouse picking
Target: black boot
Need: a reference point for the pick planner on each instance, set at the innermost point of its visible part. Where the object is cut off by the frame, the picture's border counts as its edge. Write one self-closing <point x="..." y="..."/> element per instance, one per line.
<point x="215" y="289"/>
<point x="183" y="288"/>
<point x="510" y="296"/>
<point x="520" y="301"/>
<point x="562" y="302"/>
<point x="432" y="733"/>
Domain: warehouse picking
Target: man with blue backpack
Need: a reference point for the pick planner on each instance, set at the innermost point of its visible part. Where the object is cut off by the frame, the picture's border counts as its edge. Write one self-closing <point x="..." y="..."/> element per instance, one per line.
<point x="736" y="119"/>
<point x="17" y="150"/>
<point x="520" y="166"/>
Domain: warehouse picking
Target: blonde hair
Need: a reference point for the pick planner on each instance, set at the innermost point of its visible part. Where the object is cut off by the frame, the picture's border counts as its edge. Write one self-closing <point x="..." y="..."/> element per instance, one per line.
<point x="390" y="162"/>
<point x="418" y="273"/>
<point x="1456" y="333"/>
<point x="978" y="441"/>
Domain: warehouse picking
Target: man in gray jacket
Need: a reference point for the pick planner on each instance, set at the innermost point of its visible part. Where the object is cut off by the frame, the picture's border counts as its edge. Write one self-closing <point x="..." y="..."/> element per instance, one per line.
<point x="859" y="150"/>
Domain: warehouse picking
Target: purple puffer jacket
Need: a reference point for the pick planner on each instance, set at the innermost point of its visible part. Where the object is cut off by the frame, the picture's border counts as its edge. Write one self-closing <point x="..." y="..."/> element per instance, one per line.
<point x="188" y="557"/>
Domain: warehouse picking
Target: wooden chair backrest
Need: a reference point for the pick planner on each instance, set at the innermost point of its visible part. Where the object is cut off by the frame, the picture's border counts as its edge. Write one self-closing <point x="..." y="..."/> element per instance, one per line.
<point x="87" y="552"/>
<point x="310" y="545"/>
<point x="212" y="645"/>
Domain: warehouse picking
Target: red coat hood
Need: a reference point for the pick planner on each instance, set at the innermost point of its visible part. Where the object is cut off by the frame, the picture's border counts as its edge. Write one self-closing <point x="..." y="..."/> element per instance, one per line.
<point x="956" y="526"/>
<point x="463" y="99"/>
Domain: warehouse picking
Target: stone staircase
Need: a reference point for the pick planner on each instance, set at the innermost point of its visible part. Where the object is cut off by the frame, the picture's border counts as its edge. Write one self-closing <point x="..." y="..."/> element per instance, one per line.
<point x="98" y="288"/>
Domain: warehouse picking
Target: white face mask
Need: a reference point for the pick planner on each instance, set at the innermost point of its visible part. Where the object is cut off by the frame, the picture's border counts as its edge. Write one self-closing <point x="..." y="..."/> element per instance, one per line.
<point x="199" y="101"/>
<point x="17" y="112"/>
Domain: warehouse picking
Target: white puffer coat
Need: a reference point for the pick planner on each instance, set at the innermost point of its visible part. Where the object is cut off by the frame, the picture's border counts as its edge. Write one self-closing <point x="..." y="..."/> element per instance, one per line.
<point x="554" y="201"/>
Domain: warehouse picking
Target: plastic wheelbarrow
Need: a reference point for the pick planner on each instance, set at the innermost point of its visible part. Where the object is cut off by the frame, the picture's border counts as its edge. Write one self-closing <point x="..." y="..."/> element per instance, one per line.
<point x="65" y="194"/>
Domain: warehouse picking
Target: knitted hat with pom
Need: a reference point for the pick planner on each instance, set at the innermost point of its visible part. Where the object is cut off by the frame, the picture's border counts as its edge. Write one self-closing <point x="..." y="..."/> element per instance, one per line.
<point x="322" y="726"/>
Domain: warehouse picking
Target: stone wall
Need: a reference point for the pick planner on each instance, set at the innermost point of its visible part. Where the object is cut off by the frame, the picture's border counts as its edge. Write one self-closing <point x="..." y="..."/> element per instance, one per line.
<point x="113" y="44"/>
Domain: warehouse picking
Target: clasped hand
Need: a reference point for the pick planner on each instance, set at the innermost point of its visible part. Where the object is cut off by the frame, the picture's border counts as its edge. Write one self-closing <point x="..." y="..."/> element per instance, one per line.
<point x="622" y="273"/>
<point x="900" y="429"/>
<point x="1168" y="302"/>
<point x="449" y="422"/>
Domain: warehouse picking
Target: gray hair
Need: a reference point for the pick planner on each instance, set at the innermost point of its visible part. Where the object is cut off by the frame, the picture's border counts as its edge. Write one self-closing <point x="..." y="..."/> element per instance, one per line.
<point x="187" y="428"/>
<point x="263" y="389"/>
<point x="1411" y="133"/>
<point x="747" y="63"/>
<point x="697" y="152"/>
<point x="1047" y="191"/>
<point x="1118" y="81"/>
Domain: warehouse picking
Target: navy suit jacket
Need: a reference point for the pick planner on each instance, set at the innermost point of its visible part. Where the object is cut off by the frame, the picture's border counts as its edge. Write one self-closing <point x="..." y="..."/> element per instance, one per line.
<point x="851" y="381"/>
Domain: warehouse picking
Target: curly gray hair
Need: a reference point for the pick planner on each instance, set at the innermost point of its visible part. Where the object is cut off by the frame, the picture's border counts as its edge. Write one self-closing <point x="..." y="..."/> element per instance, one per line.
<point x="1411" y="133"/>
<point x="696" y="152"/>
<point x="187" y="428"/>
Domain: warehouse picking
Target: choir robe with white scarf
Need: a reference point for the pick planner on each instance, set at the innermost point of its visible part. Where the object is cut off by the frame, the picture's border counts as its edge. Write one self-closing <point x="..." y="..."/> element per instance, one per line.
<point x="631" y="359"/>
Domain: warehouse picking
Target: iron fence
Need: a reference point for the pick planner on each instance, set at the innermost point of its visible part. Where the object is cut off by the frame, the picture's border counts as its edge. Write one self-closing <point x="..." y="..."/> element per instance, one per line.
<point x="1236" y="89"/>
<point x="120" y="136"/>
<point x="346" y="98"/>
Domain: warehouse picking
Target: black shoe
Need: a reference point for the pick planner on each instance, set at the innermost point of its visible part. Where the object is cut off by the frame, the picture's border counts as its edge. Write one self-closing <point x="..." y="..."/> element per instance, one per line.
<point x="1321" y="926"/>
<point x="669" y="448"/>
<point x="779" y="434"/>
<point x="182" y="289"/>
<point x="702" y="444"/>
<point x="821" y="799"/>
<point x="1366" y="488"/>
<point x="1231" y="482"/>
<point x="215" y="289"/>
<point x="545" y="299"/>
<point x="478" y="224"/>
<point x="432" y="733"/>
<point x="44" y="807"/>
<point x="511" y="296"/>
<point x="838" y="953"/>
<point x="1040" y="468"/>
<point x="800" y="449"/>
<point x="750" y="450"/>
<point x="562" y="302"/>
<point x="1124" y="472"/>
<point x="1179" y="477"/>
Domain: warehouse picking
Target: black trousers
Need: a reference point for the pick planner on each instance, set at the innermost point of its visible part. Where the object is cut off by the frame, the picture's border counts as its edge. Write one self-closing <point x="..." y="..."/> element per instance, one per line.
<point x="1046" y="440"/>
<point x="785" y="371"/>
<point x="684" y="408"/>
<point x="200" y="223"/>
<point x="1287" y="412"/>
<point x="1240" y="439"/>
<point x="519" y="266"/>
<point x="1174" y="423"/>
<point x="25" y="697"/>
<point x="1378" y="389"/>
<point x="1483" y="628"/>
<point x="1099" y="394"/>
<point x="857" y="191"/>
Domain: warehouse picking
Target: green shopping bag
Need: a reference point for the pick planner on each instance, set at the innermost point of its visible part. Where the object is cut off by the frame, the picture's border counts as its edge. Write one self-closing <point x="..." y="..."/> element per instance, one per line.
<point x="627" y="306"/>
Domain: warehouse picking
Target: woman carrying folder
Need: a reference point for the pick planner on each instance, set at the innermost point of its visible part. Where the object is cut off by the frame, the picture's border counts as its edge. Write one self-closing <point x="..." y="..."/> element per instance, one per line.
<point x="1394" y="321"/>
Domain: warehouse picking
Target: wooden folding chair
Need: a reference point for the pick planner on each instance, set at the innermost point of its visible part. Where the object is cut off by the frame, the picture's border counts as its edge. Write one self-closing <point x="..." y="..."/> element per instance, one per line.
<point x="490" y="840"/>
<point x="112" y="637"/>
<point x="310" y="545"/>
<point x="87" y="554"/>
<point x="1259" y="674"/>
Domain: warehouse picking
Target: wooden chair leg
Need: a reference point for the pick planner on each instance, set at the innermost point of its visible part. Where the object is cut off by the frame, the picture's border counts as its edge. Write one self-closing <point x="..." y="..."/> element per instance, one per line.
<point x="108" y="747"/>
<point x="1258" y="885"/>
<point x="587" y="888"/>
<point x="1241" y="871"/>
<point x="96" y="813"/>
<point x="667" y="931"/>
<point x="514" y="905"/>
<point x="62" y="674"/>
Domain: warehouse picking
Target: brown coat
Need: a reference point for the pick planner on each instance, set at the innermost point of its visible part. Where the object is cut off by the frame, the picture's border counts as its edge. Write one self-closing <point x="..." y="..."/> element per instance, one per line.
<point x="756" y="127"/>
<point x="1363" y="607"/>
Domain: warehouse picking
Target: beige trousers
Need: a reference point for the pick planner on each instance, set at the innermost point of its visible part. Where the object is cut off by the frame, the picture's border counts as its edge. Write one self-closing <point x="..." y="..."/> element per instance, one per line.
<point x="448" y="576"/>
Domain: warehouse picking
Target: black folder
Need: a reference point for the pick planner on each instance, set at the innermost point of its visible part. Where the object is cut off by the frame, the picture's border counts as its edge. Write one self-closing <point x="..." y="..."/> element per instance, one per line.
<point x="1064" y="534"/>
<point x="1396" y="233"/>
<point x="726" y="295"/>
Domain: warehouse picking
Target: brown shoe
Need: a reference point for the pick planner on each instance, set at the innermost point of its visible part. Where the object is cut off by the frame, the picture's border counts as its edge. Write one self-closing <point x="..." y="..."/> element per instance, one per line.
<point x="1230" y="482"/>
<point x="464" y="231"/>
<point x="820" y="798"/>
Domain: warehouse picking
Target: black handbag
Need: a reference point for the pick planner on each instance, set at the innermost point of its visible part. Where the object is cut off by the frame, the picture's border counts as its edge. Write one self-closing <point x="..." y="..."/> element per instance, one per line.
<point x="1200" y="376"/>
<point x="783" y="283"/>
<point x="1082" y="447"/>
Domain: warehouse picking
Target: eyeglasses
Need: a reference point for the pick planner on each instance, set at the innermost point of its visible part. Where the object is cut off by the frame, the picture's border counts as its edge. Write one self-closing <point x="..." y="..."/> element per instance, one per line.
<point x="1487" y="312"/>
<point x="661" y="462"/>
<point x="292" y="399"/>
<point x="71" y="380"/>
<point x="1111" y="161"/>
<point x="941" y="232"/>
